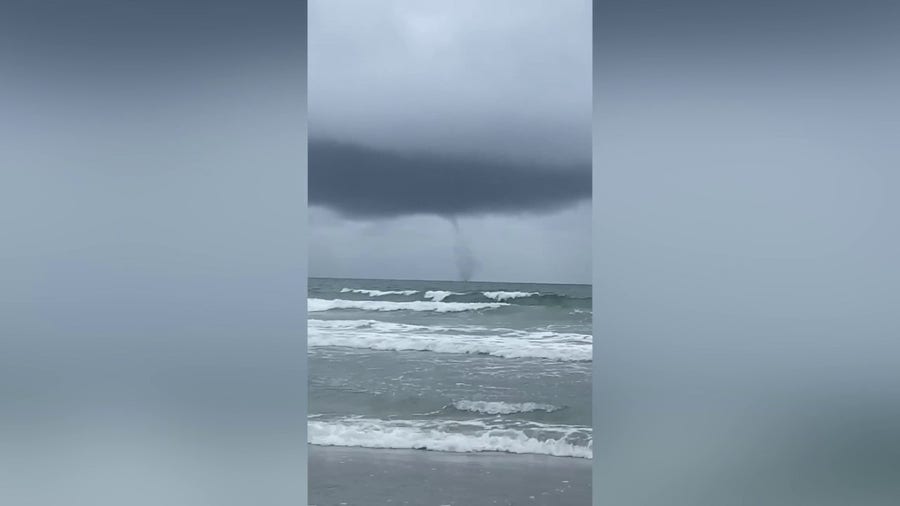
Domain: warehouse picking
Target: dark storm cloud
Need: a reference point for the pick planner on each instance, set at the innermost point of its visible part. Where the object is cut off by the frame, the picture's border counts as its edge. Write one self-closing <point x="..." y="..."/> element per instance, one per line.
<point x="361" y="181"/>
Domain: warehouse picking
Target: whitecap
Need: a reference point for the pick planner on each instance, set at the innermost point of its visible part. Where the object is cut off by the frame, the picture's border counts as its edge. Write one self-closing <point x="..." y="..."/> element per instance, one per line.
<point x="451" y="436"/>
<point x="440" y="295"/>
<point x="316" y="305"/>
<point x="503" y="408"/>
<point x="379" y="293"/>
<point x="506" y="343"/>
<point x="502" y="296"/>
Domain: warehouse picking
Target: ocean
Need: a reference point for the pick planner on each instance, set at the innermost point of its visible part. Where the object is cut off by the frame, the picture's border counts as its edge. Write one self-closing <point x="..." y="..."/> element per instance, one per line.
<point x="452" y="367"/>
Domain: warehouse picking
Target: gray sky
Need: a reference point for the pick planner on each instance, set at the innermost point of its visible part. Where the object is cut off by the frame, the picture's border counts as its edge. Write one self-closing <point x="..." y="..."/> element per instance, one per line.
<point x="422" y="113"/>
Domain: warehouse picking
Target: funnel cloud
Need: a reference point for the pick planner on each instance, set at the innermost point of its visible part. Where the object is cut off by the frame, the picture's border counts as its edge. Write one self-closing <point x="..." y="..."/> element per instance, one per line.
<point x="466" y="262"/>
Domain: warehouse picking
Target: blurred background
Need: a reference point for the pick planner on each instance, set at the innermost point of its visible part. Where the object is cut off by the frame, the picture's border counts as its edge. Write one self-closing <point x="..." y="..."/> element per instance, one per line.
<point x="152" y="256"/>
<point x="745" y="252"/>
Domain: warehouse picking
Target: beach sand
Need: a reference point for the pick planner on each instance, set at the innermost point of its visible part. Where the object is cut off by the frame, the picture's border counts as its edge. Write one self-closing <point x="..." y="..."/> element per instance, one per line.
<point x="363" y="477"/>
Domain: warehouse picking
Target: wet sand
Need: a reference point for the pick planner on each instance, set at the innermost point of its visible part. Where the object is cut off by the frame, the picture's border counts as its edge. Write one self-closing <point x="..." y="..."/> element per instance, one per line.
<point x="341" y="476"/>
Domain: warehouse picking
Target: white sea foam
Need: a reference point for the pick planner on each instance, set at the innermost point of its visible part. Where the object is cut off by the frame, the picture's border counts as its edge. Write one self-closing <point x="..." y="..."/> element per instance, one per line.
<point x="464" y="437"/>
<point x="440" y="295"/>
<point x="378" y="293"/>
<point x="507" y="343"/>
<point x="503" y="408"/>
<point x="502" y="296"/>
<point x="316" y="305"/>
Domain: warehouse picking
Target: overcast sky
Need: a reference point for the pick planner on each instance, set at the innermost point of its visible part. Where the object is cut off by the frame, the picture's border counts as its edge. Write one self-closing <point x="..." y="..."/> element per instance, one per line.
<point x="440" y="129"/>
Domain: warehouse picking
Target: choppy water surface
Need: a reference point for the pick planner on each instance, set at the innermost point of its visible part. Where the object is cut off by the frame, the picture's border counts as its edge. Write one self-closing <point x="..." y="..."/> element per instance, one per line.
<point x="450" y="366"/>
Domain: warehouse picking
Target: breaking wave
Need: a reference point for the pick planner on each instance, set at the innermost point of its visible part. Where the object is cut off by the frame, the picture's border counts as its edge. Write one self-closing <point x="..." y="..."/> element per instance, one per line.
<point x="379" y="293"/>
<point x="452" y="436"/>
<point x="440" y="295"/>
<point x="512" y="297"/>
<point x="502" y="296"/>
<point x="506" y="343"/>
<point x="316" y="305"/>
<point x="503" y="408"/>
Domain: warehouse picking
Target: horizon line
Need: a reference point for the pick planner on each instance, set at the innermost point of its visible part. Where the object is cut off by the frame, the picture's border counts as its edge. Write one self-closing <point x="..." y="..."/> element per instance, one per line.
<point x="449" y="280"/>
